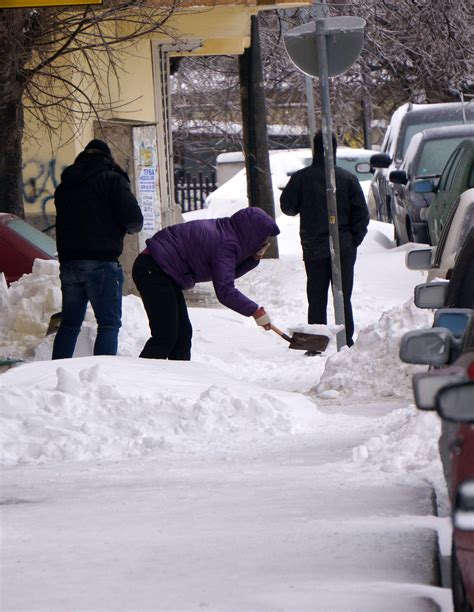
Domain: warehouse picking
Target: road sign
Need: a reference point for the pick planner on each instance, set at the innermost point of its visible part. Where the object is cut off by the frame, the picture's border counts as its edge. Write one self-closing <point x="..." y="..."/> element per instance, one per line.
<point x="41" y="3"/>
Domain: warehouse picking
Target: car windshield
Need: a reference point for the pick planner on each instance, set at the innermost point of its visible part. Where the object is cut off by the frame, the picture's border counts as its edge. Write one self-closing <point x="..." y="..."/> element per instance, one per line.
<point x="33" y="235"/>
<point x="419" y="127"/>
<point x="435" y="154"/>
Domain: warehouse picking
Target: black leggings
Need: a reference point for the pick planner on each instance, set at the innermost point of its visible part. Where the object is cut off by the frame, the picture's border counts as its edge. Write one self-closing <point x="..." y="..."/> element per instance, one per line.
<point x="164" y="302"/>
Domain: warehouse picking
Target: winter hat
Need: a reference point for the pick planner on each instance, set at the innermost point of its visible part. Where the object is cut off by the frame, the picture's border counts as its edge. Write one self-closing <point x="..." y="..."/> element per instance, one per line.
<point x="318" y="146"/>
<point x="99" y="145"/>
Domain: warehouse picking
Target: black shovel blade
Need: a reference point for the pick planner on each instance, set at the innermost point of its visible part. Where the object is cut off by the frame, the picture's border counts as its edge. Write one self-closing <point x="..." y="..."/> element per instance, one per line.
<point x="309" y="342"/>
<point x="54" y="323"/>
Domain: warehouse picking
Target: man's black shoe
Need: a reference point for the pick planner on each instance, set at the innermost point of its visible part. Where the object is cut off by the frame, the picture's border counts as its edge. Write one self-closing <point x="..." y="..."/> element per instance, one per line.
<point x="312" y="353"/>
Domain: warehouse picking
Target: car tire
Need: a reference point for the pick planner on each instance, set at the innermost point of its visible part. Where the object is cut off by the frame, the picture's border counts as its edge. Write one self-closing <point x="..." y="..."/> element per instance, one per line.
<point x="460" y="601"/>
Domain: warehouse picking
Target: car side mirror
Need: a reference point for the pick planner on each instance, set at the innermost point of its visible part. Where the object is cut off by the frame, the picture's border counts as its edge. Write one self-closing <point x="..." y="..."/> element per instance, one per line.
<point x="427" y="346"/>
<point x="454" y="319"/>
<point x="399" y="177"/>
<point x="456" y="402"/>
<point x="427" y="384"/>
<point x="463" y="513"/>
<point x="419" y="259"/>
<point x="380" y="160"/>
<point x="431" y="295"/>
<point x="363" y="168"/>
<point x="426" y="186"/>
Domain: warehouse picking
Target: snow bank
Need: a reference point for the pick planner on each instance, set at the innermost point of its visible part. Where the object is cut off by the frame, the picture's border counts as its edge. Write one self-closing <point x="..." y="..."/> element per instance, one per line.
<point x="26" y="307"/>
<point x="372" y="367"/>
<point x="408" y="441"/>
<point x="116" y="407"/>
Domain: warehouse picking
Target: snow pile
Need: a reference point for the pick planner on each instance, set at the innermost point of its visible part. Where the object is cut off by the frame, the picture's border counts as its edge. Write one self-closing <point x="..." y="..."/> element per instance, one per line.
<point x="372" y="367"/>
<point x="121" y="407"/>
<point x="232" y="195"/>
<point x="409" y="442"/>
<point x="26" y="307"/>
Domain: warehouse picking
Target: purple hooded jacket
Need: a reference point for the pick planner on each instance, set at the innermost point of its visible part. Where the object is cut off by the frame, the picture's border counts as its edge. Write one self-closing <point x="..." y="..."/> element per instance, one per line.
<point x="217" y="250"/>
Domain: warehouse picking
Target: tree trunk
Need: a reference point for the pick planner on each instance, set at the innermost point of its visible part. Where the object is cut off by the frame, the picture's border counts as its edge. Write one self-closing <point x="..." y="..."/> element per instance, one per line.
<point x="11" y="133"/>
<point x="254" y="121"/>
<point x="12" y="60"/>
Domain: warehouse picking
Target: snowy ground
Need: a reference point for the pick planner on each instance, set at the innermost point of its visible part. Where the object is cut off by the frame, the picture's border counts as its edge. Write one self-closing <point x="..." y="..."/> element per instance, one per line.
<point x="252" y="478"/>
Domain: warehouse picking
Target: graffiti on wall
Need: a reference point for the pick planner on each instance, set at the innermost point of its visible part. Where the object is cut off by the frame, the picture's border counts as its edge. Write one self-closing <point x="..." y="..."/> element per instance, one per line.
<point x="40" y="180"/>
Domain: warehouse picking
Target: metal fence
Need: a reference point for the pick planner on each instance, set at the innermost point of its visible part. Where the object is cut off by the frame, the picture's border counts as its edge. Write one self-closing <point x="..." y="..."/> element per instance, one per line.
<point x="190" y="192"/>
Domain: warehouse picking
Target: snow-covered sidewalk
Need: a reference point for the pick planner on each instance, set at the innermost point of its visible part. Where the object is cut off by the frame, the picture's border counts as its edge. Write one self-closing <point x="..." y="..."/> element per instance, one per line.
<point x="252" y="478"/>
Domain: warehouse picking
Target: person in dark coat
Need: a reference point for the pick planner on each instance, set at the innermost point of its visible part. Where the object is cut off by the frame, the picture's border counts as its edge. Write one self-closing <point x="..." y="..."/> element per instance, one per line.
<point x="305" y="194"/>
<point x="95" y="208"/>
<point x="179" y="256"/>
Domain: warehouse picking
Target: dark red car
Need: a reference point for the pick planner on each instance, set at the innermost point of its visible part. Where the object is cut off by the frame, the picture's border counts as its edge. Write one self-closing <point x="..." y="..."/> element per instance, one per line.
<point x="20" y="245"/>
<point x="462" y="471"/>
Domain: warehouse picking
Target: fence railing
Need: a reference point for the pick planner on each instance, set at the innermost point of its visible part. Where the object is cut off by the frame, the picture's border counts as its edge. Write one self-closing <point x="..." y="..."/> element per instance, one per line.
<point x="190" y="192"/>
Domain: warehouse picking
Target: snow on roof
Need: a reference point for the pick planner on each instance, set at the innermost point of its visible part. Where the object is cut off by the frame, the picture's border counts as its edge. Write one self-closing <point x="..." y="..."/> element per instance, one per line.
<point x="228" y="127"/>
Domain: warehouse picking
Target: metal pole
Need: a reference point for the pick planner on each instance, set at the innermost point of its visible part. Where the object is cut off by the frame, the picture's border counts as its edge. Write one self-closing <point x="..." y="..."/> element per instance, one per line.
<point x="326" y="128"/>
<point x="310" y="107"/>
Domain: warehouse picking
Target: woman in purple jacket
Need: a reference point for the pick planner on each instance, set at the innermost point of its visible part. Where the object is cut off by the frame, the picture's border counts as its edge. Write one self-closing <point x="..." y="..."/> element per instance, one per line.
<point x="179" y="256"/>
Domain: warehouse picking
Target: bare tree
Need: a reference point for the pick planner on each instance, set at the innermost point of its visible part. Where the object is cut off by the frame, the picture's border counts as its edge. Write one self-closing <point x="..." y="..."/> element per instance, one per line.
<point x="415" y="50"/>
<point x="60" y="64"/>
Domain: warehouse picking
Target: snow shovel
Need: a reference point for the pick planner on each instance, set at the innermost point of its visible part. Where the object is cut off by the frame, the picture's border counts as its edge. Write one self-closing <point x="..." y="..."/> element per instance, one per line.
<point x="316" y="343"/>
<point x="54" y="323"/>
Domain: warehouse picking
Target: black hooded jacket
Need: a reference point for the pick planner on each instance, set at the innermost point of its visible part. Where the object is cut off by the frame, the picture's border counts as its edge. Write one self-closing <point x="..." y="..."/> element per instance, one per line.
<point x="94" y="209"/>
<point x="305" y="194"/>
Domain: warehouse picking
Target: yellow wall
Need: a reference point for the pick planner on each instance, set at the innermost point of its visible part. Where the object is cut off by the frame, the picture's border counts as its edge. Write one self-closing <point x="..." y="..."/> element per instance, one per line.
<point x="222" y="30"/>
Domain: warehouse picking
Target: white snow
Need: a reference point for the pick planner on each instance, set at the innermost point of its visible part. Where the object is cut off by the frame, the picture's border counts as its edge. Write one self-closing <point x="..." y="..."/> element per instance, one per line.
<point x="251" y="478"/>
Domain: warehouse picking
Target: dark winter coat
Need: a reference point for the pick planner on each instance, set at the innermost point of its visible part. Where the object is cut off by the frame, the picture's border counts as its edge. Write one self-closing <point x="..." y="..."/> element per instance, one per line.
<point x="217" y="250"/>
<point x="94" y="209"/>
<point x="305" y="194"/>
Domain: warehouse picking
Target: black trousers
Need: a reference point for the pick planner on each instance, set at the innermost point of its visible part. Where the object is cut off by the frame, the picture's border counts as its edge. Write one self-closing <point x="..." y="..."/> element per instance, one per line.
<point x="171" y="329"/>
<point x="318" y="274"/>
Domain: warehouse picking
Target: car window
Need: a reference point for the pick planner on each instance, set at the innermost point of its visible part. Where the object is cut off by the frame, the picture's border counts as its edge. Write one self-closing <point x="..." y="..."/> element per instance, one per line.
<point x="33" y="235"/>
<point x="435" y="154"/>
<point x="453" y="174"/>
<point x="350" y="163"/>
<point x="448" y="171"/>
<point x="414" y="128"/>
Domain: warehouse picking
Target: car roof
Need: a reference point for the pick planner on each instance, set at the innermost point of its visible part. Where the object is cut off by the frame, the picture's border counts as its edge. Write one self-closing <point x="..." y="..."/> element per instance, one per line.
<point x="448" y="131"/>
<point x="447" y="109"/>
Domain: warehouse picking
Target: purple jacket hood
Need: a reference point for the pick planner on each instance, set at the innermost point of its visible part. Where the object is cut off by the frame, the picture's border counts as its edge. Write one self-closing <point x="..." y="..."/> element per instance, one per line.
<point x="217" y="250"/>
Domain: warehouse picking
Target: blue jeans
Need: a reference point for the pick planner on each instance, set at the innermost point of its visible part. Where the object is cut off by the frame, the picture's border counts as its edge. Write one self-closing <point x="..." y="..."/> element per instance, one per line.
<point x="97" y="282"/>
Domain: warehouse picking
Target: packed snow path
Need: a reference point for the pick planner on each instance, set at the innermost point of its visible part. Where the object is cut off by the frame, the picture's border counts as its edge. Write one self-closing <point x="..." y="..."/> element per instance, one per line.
<point x="294" y="526"/>
<point x="252" y="478"/>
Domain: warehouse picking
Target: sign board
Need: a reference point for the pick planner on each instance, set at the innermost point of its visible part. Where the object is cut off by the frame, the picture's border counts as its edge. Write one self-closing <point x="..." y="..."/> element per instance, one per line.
<point x="145" y="155"/>
<point x="344" y="42"/>
<point x="40" y="3"/>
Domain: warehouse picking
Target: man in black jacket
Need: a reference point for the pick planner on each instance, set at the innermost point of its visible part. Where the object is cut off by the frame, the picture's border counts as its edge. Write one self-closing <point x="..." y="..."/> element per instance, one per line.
<point x="305" y="194"/>
<point x="95" y="208"/>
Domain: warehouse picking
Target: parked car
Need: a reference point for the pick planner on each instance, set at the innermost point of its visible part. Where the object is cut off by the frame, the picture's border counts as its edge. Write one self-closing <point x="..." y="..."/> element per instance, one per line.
<point x="232" y="195"/>
<point x="439" y="260"/>
<point x="455" y="404"/>
<point x="457" y="177"/>
<point x="425" y="158"/>
<point x="448" y="387"/>
<point x="406" y="121"/>
<point x="20" y="245"/>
